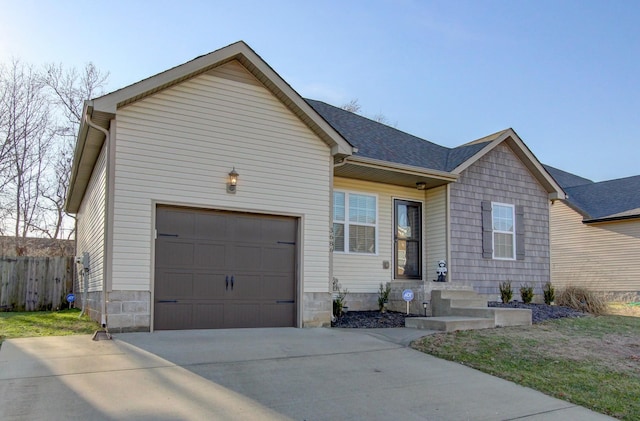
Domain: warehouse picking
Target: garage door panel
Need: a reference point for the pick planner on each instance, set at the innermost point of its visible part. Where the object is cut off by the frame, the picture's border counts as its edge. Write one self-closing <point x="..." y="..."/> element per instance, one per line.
<point x="248" y="258"/>
<point x="209" y="285"/>
<point x="277" y="287"/>
<point x="240" y="315"/>
<point x="176" y="223"/>
<point x="171" y="285"/>
<point x="246" y="286"/>
<point x="174" y="252"/>
<point x="274" y="230"/>
<point x="277" y="258"/>
<point x="208" y="316"/>
<point x="210" y="255"/>
<point x="245" y="228"/>
<point x="277" y="314"/>
<point x="212" y="225"/>
<point x="170" y="316"/>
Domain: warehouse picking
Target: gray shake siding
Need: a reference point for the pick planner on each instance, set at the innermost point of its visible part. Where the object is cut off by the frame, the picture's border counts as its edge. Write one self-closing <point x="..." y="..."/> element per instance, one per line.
<point x="501" y="177"/>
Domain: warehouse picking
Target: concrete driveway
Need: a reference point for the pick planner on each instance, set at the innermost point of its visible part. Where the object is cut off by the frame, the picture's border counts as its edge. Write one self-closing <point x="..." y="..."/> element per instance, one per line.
<point x="265" y="374"/>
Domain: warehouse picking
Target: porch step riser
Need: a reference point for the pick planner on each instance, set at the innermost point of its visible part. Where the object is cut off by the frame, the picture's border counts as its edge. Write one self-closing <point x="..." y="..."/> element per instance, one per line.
<point x="448" y="324"/>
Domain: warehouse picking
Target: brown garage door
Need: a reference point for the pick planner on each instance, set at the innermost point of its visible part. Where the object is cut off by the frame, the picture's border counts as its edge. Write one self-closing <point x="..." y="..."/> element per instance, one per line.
<point x="224" y="270"/>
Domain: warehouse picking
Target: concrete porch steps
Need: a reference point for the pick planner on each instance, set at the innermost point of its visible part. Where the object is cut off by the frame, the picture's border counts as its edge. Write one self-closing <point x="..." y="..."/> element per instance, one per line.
<point x="449" y="323"/>
<point x="465" y="310"/>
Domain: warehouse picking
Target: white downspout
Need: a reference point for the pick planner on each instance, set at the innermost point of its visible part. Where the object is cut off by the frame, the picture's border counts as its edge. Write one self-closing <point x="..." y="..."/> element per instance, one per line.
<point x="103" y="317"/>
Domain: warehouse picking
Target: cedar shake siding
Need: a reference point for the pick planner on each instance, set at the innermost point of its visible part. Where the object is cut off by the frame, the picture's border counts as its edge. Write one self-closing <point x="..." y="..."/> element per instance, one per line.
<point x="500" y="177"/>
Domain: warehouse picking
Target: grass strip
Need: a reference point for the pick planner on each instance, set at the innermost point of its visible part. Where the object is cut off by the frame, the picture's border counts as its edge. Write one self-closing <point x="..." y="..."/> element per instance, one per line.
<point x="593" y="361"/>
<point x="44" y="323"/>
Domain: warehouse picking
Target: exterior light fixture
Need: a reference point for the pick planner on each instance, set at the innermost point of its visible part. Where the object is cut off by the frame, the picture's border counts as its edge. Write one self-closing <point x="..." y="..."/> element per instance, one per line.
<point x="232" y="182"/>
<point x="421" y="185"/>
<point x="424" y="305"/>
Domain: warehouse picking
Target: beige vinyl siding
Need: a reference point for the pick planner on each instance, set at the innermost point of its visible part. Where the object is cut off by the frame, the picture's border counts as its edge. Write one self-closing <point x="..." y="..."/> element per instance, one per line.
<point x="91" y="222"/>
<point x="435" y="229"/>
<point x="603" y="257"/>
<point x="177" y="147"/>
<point x="364" y="272"/>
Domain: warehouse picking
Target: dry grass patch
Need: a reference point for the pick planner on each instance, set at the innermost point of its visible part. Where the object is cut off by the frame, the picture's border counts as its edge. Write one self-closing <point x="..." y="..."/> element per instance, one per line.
<point x="590" y="361"/>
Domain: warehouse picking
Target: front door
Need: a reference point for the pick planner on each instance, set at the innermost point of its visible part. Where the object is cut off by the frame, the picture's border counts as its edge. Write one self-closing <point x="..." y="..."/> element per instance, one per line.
<point x="408" y="239"/>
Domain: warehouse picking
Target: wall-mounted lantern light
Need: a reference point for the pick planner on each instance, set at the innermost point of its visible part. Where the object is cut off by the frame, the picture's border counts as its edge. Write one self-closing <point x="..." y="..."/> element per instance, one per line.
<point x="425" y="304"/>
<point x="232" y="182"/>
<point x="421" y="185"/>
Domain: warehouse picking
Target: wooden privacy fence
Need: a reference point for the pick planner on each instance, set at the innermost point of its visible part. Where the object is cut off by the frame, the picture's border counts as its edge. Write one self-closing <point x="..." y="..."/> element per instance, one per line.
<point x="35" y="283"/>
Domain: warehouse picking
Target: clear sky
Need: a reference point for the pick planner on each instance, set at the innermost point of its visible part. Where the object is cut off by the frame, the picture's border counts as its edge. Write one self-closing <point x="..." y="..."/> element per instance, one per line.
<point x="565" y="74"/>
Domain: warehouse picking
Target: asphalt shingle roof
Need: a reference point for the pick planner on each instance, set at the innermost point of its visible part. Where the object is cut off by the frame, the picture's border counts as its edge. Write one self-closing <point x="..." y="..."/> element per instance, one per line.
<point x="618" y="198"/>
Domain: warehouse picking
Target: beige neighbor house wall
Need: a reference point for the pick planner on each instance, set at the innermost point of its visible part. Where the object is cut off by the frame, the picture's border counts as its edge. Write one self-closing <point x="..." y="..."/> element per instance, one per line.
<point x="499" y="176"/>
<point x="360" y="273"/>
<point x="90" y="236"/>
<point x="177" y="147"/>
<point x="603" y="257"/>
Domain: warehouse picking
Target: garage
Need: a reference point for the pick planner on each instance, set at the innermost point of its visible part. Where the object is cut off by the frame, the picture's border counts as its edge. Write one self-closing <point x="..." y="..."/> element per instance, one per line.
<point x="216" y="270"/>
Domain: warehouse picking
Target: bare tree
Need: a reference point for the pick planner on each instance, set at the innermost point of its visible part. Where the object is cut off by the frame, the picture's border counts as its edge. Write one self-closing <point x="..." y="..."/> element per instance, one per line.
<point x="25" y="130"/>
<point x="352" y="106"/>
<point x="70" y="89"/>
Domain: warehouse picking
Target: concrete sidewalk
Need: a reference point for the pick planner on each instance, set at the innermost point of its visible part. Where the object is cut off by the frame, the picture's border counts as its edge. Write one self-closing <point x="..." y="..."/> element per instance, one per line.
<point x="246" y="374"/>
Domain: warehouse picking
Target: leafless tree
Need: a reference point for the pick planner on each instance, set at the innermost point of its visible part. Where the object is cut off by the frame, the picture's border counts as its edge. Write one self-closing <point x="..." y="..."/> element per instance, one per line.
<point x="25" y="130"/>
<point x="352" y="106"/>
<point x="69" y="89"/>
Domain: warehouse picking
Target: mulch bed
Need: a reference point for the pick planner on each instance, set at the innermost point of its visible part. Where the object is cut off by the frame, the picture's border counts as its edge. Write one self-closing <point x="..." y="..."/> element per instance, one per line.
<point x="375" y="319"/>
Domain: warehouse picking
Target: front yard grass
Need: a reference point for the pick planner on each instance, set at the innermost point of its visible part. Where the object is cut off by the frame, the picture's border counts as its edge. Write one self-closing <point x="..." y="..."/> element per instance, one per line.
<point x="44" y="323"/>
<point x="591" y="361"/>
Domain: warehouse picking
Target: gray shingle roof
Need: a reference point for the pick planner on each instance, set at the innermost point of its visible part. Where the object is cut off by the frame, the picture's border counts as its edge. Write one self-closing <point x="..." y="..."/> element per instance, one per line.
<point x="566" y="179"/>
<point x="379" y="141"/>
<point x="612" y="199"/>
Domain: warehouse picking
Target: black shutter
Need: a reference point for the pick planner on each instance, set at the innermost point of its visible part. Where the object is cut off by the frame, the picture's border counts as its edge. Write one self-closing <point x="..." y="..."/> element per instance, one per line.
<point x="487" y="231"/>
<point x="520" y="232"/>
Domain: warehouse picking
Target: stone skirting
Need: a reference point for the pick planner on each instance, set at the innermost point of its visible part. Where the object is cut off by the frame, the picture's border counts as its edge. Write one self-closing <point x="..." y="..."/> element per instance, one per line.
<point x="127" y="311"/>
<point x="317" y="308"/>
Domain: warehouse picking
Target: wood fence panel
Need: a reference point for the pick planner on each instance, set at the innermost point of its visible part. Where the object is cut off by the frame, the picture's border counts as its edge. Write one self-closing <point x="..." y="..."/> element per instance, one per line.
<point x="35" y="283"/>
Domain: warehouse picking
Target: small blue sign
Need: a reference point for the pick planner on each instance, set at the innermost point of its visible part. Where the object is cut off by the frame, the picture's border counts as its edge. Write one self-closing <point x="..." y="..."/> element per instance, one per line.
<point x="407" y="295"/>
<point x="71" y="298"/>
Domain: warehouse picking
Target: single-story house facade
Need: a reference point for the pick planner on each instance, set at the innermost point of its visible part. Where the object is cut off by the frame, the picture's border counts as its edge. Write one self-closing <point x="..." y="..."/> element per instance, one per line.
<point x="212" y="195"/>
<point x="595" y="235"/>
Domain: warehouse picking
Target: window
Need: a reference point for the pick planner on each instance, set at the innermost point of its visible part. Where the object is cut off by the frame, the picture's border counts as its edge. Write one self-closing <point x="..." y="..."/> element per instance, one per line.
<point x="408" y="239"/>
<point x="355" y="219"/>
<point x="504" y="230"/>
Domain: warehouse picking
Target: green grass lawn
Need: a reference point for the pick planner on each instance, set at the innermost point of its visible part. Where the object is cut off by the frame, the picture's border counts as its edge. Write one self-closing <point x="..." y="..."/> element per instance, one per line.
<point x="591" y="361"/>
<point x="44" y="323"/>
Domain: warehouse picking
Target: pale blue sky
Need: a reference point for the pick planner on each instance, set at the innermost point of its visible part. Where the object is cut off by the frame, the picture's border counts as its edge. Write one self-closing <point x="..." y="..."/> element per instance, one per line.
<point x="564" y="74"/>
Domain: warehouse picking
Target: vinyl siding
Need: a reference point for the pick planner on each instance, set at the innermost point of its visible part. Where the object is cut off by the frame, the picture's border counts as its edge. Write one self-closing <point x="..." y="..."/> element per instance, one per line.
<point x="603" y="257"/>
<point x="91" y="222"/>
<point x="436" y="230"/>
<point x="499" y="176"/>
<point x="362" y="273"/>
<point x="177" y="147"/>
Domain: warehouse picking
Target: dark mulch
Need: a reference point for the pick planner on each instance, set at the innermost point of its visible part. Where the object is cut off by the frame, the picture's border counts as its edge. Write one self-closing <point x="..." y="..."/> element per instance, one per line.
<point x="373" y="319"/>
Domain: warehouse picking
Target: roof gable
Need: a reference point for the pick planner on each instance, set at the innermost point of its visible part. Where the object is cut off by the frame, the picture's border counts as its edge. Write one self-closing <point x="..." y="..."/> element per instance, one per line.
<point x="100" y="111"/>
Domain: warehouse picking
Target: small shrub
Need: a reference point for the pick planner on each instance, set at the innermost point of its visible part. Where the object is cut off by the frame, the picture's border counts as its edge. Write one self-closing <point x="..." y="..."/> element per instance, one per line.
<point x="339" y="301"/>
<point x="526" y="293"/>
<point x="506" y="293"/>
<point x="549" y="293"/>
<point x="582" y="299"/>
<point x="383" y="295"/>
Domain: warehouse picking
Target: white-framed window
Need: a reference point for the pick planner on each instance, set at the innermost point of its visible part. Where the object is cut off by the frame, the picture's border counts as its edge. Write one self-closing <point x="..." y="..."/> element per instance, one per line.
<point x="503" y="218"/>
<point x="355" y="222"/>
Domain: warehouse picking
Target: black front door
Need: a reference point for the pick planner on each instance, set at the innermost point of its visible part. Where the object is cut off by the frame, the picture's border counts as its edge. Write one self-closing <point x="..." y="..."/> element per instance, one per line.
<point x="408" y="239"/>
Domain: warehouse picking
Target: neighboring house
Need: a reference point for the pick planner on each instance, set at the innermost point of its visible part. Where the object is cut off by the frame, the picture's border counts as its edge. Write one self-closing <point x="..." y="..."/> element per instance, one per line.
<point x="595" y="235"/>
<point x="322" y="196"/>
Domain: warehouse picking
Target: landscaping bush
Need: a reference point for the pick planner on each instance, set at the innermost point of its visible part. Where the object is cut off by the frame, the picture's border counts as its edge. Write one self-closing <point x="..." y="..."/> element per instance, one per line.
<point x="383" y="295"/>
<point x="582" y="299"/>
<point x="506" y="293"/>
<point x="549" y="293"/>
<point x="526" y="293"/>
